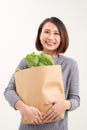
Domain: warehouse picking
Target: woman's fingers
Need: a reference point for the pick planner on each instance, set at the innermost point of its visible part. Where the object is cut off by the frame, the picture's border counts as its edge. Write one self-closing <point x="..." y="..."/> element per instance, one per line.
<point x="51" y="115"/>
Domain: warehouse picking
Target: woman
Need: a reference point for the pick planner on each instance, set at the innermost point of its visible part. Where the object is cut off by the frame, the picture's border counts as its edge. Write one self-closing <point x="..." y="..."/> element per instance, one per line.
<point x="52" y="38"/>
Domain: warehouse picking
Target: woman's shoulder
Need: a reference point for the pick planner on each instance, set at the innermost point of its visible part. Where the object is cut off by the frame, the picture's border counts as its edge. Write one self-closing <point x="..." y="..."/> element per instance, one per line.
<point x="68" y="60"/>
<point x="22" y="64"/>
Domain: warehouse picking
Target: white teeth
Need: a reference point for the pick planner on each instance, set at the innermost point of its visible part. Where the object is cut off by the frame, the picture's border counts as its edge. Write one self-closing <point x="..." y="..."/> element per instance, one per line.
<point x="50" y="43"/>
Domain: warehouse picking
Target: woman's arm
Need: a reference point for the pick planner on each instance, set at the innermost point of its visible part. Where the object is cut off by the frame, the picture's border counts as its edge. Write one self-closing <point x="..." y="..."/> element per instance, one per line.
<point x="32" y="114"/>
<point x="10" y="91"/>
<point x="73" y="95"/>
<point x="73" y="99"/>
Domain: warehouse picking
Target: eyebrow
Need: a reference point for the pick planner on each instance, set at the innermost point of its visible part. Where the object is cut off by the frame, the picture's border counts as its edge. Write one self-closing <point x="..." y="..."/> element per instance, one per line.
<point x="46" y="29"/>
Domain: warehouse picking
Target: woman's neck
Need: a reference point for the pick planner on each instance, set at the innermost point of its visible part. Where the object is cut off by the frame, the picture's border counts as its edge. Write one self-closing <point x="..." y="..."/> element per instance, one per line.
<point x="53" y="54"/>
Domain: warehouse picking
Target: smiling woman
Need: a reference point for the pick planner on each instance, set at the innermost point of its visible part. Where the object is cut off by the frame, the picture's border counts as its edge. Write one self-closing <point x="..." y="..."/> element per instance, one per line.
<point x="52" y="34"/>
<point x="52" y="38"/>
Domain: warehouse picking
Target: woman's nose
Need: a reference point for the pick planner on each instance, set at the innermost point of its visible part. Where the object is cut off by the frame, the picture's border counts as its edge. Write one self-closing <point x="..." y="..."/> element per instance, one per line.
<point x="51" y="36"/>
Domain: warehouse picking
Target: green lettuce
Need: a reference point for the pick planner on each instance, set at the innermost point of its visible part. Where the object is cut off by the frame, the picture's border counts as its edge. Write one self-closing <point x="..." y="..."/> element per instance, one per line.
<point x="41" y="59"/>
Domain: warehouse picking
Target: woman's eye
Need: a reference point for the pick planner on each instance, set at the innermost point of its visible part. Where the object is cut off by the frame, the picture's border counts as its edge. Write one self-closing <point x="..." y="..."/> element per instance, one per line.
<point x="56" y="33"/>
<point x="46" y="32"/>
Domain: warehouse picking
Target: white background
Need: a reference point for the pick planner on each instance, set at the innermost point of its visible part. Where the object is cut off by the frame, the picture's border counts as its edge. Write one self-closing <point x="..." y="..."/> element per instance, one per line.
<point x="19" y="21"/>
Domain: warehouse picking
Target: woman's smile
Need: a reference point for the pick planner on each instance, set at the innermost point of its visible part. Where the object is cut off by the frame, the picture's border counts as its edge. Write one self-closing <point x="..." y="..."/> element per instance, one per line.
<point x="50" y="43"/>
<point x="50" y="38"/>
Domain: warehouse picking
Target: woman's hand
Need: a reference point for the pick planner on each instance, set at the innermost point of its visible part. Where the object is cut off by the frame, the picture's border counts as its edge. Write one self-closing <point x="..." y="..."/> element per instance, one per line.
<point x="32" y="114"/>
<point x="57" y="108"/>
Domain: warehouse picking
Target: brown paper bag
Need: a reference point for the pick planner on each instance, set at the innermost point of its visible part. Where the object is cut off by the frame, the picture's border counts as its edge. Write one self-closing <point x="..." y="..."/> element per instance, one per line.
<point x="38" y="85"/>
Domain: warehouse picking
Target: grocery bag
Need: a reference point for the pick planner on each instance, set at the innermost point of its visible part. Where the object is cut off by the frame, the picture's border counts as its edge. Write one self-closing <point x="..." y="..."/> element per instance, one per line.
<point x="38" y="85"/>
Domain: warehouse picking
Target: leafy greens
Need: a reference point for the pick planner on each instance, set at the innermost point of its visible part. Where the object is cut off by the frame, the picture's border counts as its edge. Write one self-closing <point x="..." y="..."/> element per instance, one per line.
<point x="41" y="59"/>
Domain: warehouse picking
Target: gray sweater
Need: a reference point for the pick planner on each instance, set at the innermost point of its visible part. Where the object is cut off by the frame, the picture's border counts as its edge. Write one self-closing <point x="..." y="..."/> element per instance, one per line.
<point x="71" y="87"/>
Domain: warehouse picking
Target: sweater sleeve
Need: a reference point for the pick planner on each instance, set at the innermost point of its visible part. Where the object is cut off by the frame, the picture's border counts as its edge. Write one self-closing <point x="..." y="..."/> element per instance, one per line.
<point x="74" y="87"/>
<point x="10" y="92"/>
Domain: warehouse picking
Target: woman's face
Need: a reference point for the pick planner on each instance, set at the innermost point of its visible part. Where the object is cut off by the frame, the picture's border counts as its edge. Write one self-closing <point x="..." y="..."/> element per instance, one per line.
<point x="50" y="38"/>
